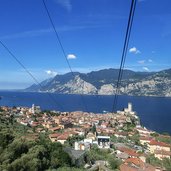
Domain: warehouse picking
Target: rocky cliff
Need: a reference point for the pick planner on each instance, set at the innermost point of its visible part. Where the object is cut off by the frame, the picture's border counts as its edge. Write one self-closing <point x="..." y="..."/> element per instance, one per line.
<point x="103" y="82"/>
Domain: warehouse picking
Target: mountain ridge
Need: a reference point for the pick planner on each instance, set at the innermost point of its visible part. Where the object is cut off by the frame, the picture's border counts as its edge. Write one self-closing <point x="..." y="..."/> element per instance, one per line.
<point x="103" y="82"/>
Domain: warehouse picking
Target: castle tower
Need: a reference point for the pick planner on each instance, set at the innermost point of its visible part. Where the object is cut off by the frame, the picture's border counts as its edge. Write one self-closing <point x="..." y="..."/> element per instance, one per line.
<point x="130" y="107"/>
<point x="33" y="109"/>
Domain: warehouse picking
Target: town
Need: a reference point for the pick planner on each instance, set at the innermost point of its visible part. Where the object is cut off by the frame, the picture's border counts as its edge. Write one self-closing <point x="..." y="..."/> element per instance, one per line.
<point x="120" y="135"/>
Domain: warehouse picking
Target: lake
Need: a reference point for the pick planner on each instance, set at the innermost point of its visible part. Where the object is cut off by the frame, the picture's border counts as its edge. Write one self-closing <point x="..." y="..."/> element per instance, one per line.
<point x="154" y="112"/>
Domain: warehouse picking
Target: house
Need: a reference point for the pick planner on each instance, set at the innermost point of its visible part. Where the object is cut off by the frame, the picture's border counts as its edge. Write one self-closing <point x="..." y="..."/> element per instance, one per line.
<point x="40" y="130"/>
<point x="55" y="128"/>
<point x="104" y="125"/>
<point x="66" y="124"/>
<point x="62" y="138"/>
<point x="57" y="119"/>
<point x="58" y="137"/>
<point x="136" y="164"/>
<point x="103" y="141"/>
<point x="47" y="124"/>
<point x="53" y="137"/>
<point x="81" y="145"/>
<point x="143" y="131"/>
<point x="130" y="152"/>
<point x="156" y="145"/>
<point x="126" y="167"/>
<point x="90" y="135"/>
<point x="121" y="134"/>
<point x="160" y="154"/>
<point x="24" y="122"/>
<point x="145" y="140"/>
<point x="122" y="156"/>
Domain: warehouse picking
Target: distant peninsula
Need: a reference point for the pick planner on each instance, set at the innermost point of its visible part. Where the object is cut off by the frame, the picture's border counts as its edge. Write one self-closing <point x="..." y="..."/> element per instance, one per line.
<point x="103" y="82"/>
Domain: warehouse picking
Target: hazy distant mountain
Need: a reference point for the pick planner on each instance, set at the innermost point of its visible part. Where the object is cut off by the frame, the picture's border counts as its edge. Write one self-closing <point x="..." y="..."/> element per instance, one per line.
<point x="104" y="82"/>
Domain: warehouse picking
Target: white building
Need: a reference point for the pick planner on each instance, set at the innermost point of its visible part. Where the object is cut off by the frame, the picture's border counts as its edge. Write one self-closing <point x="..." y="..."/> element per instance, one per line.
<point x="103" y="141"/>
<point x="35" y="109"/>
<point x="81" y="145"/>
<point x="129" y="109"/>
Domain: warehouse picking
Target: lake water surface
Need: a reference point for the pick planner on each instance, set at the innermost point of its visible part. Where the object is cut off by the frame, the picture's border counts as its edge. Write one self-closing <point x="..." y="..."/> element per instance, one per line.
<point x="154" y="112"/>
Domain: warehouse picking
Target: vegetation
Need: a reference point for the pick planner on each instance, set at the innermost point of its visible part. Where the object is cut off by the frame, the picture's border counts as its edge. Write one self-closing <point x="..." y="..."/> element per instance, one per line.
<point x="93" y="129"/>
<point x="153" y="160"/>
<point x="68" y="169"/>
<point x="136" y="139"/>
<point x="113" y="139"/>
<point x="166" y="163"/>
<point x="21" y="151"/>
<point x="50" y="113"/>
<point x="129" y="126"/>
<point x="96" y="154"/>
<point x="103" y="154"/>
<point x="74" y="138"/>
<point x="165" y="139"/>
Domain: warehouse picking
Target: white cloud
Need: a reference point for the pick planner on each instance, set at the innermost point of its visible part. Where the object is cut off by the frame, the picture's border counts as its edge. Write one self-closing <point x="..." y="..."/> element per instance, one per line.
<point x="42" y="32"/>
<point x="146" y="69"/>
<point x="71" y="56"/>
<point x="28" y="33"/>
<point x="134" y="50"/>
<point x="65" y="4"/>
<point x="141" y="61"/>
<point x="51" y="73"/>
<point x="150" y="60"/>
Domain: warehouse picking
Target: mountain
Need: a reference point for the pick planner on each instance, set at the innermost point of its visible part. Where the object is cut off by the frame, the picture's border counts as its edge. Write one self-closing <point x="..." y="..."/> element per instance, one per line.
<point x="36" y="87"/>
<point x="104" y="82"/>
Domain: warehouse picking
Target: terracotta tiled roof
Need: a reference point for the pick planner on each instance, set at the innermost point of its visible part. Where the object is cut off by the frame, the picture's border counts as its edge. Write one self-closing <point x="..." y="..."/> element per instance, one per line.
<point x="121" y="133"/>
<point x="128" y="151"/>
<point x="146" y="138"/>
<point x="162" y="152"/>
<point x="136" y="164"/>
<point x="125" y="167"/>
<point x="135" y="161"/>
<point x="63" y="137"/>
<point x="157" y="143"/>
<point x="54" y="135"/>
<point x="55" y="128"/>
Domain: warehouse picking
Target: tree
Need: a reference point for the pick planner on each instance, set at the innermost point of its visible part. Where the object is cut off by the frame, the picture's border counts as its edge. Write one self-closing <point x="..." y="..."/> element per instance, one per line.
<point x="69" y="169"/>
<point x="167" y="163"/>
<point x="96" y="154"/>
<point x="17" y="148"/>
<point x="6" y="138"/>
<point x="153" y="160"/>
<point x="135" y="138"/>
<point x="74" y="138"/>
<point x="93" y="129"/>
<point x="113" y="138"/>
<point x="114" y="163"/>
<point x="165" y="139"/>
<point x="59" y="158"/>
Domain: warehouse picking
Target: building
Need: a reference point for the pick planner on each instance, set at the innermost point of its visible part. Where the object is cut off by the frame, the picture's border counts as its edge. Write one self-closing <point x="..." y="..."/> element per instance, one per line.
<point x="35" y="109"/>
<point x="136" y="164"/>
<point x="129" y="109"/>
<point x="82" y="145"/>
<point x="103" y="141"/>
<point x="161" y="154"/>
<point x="156" y="145"/>
<point x="145" y="140"/>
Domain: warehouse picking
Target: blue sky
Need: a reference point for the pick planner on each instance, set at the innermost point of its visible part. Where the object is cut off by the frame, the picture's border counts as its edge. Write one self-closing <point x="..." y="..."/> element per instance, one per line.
<point x="91" y="31"/>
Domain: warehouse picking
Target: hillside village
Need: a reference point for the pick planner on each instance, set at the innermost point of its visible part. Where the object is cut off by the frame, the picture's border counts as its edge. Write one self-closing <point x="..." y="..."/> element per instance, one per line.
<point x="120" y="135"/>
